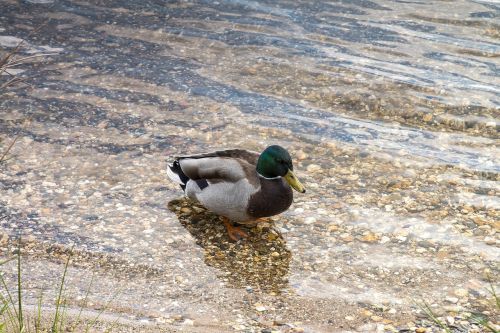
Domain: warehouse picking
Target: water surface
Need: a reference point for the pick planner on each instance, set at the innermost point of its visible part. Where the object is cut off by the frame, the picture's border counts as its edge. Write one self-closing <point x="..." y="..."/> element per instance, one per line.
<point x="389" y="108"/>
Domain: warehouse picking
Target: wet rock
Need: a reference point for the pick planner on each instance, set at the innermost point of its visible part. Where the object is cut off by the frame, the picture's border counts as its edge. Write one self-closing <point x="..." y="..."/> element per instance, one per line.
<point x="367" y="313"/>
<point x="347" y="237"/>
<point x="301" y="155"/>
<point x="425" y="244"/>
<point x="333" y="227"/>
<point x="490" y="240"/>
<point x="452" y="308"/>
<point x="384" y="239"/>
<point x="188" y="322"/>
<point x="427" y="117"/>
<point x="370" y="327"/>
<point x="260" y="308"/>
<point x="313" y="168"/>
<point x="4" y="239"/>
<point x="461" y="292"/>
<point x="352" y="177"/>
<point x="370" y="238"/>
<point x="310" y="220"/>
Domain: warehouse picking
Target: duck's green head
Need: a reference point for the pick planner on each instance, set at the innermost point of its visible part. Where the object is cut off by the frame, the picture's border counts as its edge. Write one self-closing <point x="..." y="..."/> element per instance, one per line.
<point x="274" y="162"/>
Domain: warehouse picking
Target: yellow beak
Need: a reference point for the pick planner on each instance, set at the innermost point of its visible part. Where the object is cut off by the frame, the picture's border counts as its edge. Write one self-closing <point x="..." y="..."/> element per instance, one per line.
<point x="294" y="182"/>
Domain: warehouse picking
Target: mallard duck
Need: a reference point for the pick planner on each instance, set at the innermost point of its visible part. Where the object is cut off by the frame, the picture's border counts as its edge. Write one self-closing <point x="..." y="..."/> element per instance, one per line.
<point x="239" y="185"/>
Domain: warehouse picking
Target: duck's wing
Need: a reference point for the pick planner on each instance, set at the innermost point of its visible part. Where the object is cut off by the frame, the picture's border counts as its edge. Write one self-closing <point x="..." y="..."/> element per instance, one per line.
<point x="242" y="154"/>
<point x="221" y="166"/>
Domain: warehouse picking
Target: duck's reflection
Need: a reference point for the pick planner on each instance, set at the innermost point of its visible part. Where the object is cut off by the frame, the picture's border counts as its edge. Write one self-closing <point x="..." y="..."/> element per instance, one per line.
<point x="261" y="261"/>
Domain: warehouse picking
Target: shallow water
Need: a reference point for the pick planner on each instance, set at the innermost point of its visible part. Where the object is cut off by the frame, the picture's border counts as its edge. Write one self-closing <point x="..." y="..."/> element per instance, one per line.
<point x="389" y="108"/>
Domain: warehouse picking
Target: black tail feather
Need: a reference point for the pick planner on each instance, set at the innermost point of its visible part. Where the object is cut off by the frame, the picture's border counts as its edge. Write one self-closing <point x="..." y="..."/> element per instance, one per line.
<point x="176" y="168"/>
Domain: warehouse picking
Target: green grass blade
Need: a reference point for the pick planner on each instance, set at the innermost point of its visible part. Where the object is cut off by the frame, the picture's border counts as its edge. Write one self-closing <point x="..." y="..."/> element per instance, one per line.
<point x="39" y="313"/>
<point x="493" y="292"/>
<point x="59" y="296"/>
<point x="11" y="301"/>
<point x="85" y="300"/>
<point x="11" y="316"/>
<point x="492" y="329"/>
<point x="92" y="323"/>
<point x="19" y="290"/>
<point x="63" y="316"/>
<point x="430" y="314"/>
<point x="3" y="308"/>
<point x="114" y="323"/>
<point x="6" y="261"/>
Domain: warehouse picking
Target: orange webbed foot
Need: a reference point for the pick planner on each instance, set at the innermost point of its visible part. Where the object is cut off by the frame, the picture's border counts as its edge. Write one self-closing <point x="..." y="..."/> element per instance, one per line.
<point x="235" y="233"/>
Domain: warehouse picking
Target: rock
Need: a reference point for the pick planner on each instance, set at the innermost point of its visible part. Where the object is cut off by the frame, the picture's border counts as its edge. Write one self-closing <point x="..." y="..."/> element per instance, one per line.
<point x="460" y="292"/>
<point x="198" y="209"/>
<point x="421" y="330"/>
<point x="313" y="168"/>
<point x="177" y="317"/>
<point x="370" y="327"/>
<point x="452" y="308"/>
<point x="272" y="237"/>
<point x="4" y="239"/>
<point x="239" y="327"/>
<point x="333" y="227"/>
<point x="337" y="205"/>
<point x="425" y="244"/>
<point x="490" y="240"/>
<point x="349" y="318"/>
<point x="367" y="313"/>
<point x="401" y="238"/>
<point x="369" y="238"/>
<point x="310" y="220"/>
<point x="384" y="240"/>
<point x="46" y="211"/>
<point x="188" y="322"/>
<point x="259" y="307"/>
<point x="353" y="177"/>
<point x="346" y="237"/>
<point x="451" y="299"/>
<point x="301" y="155"/>
<point x="390" y="328"/>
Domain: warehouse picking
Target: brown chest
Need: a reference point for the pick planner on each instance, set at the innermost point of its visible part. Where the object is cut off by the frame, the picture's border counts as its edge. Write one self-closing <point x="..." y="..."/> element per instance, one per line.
<point x="274" y="197"/>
